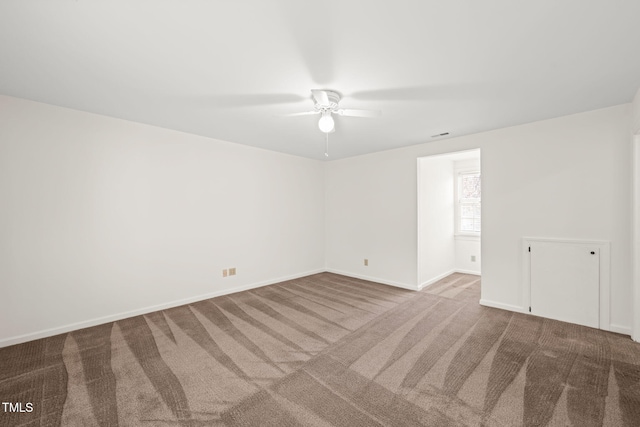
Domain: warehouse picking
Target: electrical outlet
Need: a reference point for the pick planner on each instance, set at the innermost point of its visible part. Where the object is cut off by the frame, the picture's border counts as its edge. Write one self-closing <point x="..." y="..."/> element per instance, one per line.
<point x="473" y="258"/>
<point x="224" y="273"/>
<point x="232" y="271"/>
<point x="366" y="262"/>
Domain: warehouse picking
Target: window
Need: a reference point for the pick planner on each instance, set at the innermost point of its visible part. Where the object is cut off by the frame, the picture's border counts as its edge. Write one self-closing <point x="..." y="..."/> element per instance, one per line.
<point x="468" y="203"/>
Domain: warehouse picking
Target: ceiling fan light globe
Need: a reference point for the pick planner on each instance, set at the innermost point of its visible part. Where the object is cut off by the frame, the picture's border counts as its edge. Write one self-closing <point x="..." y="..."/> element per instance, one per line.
<point x="326" y="123"/>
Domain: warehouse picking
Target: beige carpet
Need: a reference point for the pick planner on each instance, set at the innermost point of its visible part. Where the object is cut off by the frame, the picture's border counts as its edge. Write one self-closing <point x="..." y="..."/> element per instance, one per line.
<point x="328" y="350"/>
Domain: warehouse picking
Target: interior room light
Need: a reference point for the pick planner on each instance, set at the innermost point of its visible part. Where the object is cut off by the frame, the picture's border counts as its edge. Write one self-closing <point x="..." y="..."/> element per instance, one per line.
<point x="326" y="122"/>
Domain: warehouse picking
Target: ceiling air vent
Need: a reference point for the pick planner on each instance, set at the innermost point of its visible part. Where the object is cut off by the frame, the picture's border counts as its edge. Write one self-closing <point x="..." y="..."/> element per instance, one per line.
<point x="440" y="134"/>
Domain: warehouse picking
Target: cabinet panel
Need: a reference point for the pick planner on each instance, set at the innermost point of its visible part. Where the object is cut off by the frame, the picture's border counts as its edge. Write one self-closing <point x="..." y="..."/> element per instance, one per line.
<point x="565" y="281"/>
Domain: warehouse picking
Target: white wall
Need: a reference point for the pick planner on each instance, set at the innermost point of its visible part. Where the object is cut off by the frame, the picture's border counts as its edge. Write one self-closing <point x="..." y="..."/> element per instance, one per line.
<point x="369" y="214"/>
<point x="567" y="177"/>
<point x="635" y="128"/>
<point x="102" y="218"/>
<point x="465" y="248"/>
<point x="436" y="253"/>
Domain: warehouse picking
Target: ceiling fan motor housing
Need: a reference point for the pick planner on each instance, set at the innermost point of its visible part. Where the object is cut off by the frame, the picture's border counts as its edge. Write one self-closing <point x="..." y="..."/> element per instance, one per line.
<point x="332" y="105"/>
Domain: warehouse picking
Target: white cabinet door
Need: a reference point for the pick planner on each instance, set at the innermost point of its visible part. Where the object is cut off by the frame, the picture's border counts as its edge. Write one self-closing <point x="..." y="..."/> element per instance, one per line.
<point x="565" y="282"/>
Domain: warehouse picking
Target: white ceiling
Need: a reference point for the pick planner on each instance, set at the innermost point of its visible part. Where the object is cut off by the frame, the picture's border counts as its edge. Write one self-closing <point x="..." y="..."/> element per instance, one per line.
<point x="231" y="69"/>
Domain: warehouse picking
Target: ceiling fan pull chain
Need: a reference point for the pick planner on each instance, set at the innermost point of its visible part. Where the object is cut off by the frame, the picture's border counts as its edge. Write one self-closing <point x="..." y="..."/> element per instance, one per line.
<point x="326" y="146"/>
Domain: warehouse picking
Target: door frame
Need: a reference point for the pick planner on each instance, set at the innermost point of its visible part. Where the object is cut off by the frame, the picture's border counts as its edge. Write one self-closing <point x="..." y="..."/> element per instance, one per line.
<point x="635" y="200"/>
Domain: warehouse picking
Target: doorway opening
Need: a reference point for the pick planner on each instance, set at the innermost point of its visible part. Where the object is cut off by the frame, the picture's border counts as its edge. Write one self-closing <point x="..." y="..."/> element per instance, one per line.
<point x="449" y="215"/>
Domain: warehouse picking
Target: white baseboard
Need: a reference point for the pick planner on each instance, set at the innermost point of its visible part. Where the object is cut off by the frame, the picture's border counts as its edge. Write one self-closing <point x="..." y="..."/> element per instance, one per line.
<point x="435" y="279"/>
<point x="124" y="315"/>
<point x="613" y="328"/>
<point x="374" y="279"/>
<point x="624" y="330"/>
<point x="475" y="273"/>
<point x="509" y="307"/>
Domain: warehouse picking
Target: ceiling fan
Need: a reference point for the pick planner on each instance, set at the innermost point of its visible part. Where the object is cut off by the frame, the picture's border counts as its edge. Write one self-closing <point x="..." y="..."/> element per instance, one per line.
<point x="326" y="103"/>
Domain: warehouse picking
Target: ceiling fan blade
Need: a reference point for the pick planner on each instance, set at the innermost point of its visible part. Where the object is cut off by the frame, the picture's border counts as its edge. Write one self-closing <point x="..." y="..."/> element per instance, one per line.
<point x="359" y="113"/>
<point x="306" y="113"/>
<point x="320" y="96"/>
